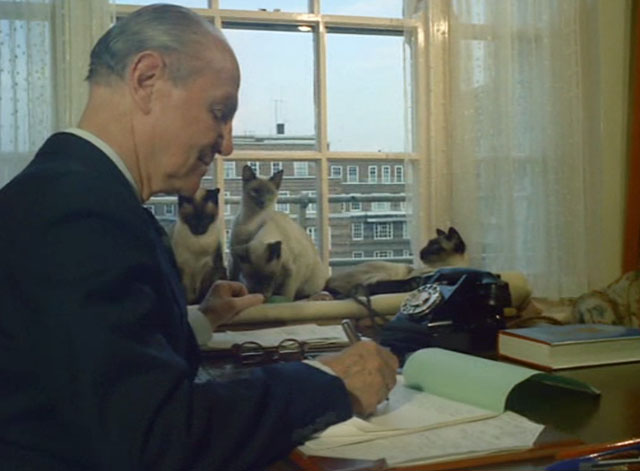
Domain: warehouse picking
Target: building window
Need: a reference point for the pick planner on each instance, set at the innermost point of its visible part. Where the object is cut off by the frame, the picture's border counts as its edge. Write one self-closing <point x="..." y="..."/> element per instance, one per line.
<point x="386" y="174"/>
<point x="399" y="174"/>
<point x="229" y="170"/>
<point x="406" y="253"/>
<point x="382" y="254"/>
<point x="373" y="174"/>
<point x="311" y="207"/>
<point x="381" y="206"/>
<point x="336" y="171"/>
<point x="283" y="207"/>
<point x="357" y="254"/>
<point x="356" y="205"/>
<point x="382" y="230"/>
<point x="313" y="233"/>
<point x="352" y="174"/>
<point x="405" y="230"/>
<point x="276" y="167"/>
<point x="170" y="209"/>
<point x="301" y="169"/>
<point x="357" y="231"/>
<point x="227" y="206"/>
<point x="151" y="208"/>
<point x="255" y="167"/>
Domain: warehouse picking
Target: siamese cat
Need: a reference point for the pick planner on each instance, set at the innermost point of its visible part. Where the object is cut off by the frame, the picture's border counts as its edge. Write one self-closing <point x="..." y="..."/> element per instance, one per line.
<point x="197" y="243"/>
<point x="256" y="207"/>
<point x="447" y="249"/>
<point x="281" y="259"/>
<point x="270" y="252"/>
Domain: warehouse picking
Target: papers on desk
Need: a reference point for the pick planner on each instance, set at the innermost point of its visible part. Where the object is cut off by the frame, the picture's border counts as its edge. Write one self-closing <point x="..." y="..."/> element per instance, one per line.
<point x="317" y="337"/>
<point x="446" y="406"/>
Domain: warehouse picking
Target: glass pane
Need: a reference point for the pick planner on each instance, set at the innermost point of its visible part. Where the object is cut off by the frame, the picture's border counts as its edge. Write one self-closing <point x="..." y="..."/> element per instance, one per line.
<point x="381" y="8"/>
<point x="276" y="110"/>
<point x="266" y="5"/>
<point x="367" y="212"/>
<point x="297" y="196"/>
<point x="365" y="88"/>
<point x="184" y="3"/>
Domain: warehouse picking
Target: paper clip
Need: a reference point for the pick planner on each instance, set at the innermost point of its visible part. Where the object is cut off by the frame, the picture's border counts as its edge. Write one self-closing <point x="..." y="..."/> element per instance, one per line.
<point x="614" y="459"/>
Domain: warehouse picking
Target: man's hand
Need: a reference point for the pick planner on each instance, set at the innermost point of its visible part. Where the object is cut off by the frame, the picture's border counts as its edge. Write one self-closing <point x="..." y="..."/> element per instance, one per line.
<point x="225" y="300"/>
<point x="368" y="372"/>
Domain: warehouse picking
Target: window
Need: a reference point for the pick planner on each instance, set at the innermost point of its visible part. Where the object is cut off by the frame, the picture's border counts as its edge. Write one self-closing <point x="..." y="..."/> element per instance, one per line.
<point x="356" y="206"/>
<point x="336" y="171"/>
<point x="311" y="208"/>
<point x="381" y="206"/>
<point x="382" y="230"/>
<point x="399" y="174"/>
<point x="352" y="174"/>
<point x="406" y="253"/>
<point x="169" y="209"/>
<point x="283" y="207"/>
<point x="229" y="170"/>
<point x="357" y="254"/>
<point x="405" y="230"/>
<point x="151" y="208"/>
<point x="276" y="167"/>
<point x="386" y="174"/>
<point x="373" y="174"/>
<point x="301" y="169"/>
<point x="255" y="166"/>
<point x="382" y="254"/>
<point x="357" y="231"/>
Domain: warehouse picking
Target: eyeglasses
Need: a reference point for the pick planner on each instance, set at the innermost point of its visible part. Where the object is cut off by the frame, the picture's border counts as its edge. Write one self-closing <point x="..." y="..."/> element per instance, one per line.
<point x="249" y="353"/>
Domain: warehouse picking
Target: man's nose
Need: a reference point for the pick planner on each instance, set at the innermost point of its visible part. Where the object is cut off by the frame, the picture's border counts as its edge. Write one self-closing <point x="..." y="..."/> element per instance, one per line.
<point x="226" y="140"/>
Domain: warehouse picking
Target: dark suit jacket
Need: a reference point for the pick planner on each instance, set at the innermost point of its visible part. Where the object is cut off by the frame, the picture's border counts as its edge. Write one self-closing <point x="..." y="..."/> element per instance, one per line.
<point x="97" y="359"/>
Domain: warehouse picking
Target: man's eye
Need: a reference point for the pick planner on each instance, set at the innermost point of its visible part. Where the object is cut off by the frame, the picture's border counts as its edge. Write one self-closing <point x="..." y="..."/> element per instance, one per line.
<point x="218" y="113"/>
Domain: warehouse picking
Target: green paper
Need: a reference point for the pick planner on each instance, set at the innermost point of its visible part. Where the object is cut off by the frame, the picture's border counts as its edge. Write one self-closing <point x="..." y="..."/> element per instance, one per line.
<point x="473" y="380"/>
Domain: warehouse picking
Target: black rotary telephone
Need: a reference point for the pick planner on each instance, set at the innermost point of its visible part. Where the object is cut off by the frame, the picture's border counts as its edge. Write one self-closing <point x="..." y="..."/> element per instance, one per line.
<point x="454" y="308"/>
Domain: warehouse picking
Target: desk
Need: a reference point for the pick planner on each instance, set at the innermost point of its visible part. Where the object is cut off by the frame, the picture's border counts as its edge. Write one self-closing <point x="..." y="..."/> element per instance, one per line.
<point x="615" y="416"/>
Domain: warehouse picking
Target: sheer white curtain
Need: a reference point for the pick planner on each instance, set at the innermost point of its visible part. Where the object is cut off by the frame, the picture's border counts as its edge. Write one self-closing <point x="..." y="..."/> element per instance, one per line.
<point x="513" y="145"/>
<point x="44" y="55"/>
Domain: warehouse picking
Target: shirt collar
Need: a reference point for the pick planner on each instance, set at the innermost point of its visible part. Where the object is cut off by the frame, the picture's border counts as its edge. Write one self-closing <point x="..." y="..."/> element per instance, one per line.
<point x="106" y="148"/>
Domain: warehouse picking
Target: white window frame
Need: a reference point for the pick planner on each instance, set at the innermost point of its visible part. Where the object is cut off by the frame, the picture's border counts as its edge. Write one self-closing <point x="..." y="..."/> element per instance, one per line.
<point x="385" y="174"/>
<point x="382" y="253"/>
<point x="353" y="177"/>
<point x="301" y="169"/>
<point x="357" y="231"/>
<point x="372" y="173"/>
<point x="322" y="26"/>
<point x="255" y="165"/>
<point x="356" y="254"/>
<point x="169" y="209"/>
<point x="230" y="169"/>
<point x="399" y="174"/>
<point x="380" y="234"/>
<point x="312" y="208"/>
<point x="276" y="167"/>
<point x="312" y="231"/>
<point x="336" y="171"/>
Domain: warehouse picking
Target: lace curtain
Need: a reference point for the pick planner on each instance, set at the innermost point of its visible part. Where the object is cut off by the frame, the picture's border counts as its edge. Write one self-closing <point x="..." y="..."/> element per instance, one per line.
<point x="44" y="55"/>
<point x="513" y="139"/>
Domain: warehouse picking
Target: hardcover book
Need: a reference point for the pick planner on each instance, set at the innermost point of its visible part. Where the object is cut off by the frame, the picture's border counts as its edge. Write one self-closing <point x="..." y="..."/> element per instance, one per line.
<point x="554" y="347"/>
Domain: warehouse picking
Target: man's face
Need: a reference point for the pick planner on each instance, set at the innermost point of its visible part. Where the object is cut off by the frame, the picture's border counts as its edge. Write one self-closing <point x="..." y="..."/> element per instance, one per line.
<point x="193" y="123"/>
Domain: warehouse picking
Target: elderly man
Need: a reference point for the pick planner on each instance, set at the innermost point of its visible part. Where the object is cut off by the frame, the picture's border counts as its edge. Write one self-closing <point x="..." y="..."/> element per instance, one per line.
<point x="97" y="360"/>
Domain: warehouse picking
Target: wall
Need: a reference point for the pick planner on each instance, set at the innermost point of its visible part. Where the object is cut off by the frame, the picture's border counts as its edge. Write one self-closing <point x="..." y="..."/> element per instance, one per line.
<point x="614" y="23"/>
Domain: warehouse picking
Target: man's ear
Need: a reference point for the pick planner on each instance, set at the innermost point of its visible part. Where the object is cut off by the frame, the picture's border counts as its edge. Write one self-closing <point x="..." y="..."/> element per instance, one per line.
<point x="145" y="71"/>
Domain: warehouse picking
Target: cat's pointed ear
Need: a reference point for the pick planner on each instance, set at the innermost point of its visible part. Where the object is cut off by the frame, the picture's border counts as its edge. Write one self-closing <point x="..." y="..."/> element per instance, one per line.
<point x="441" y="233"/>
<point x="276" y="178"/>
<point x="182" y="200"/>
<point x="274" y="250"/>
<point x="212" y="195"/>
<point x="453" y="234"/>
<point x="248" y="174"/>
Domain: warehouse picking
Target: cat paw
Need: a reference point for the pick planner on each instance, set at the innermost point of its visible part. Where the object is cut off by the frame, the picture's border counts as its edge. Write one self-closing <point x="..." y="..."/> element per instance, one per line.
<point x="321" y="296"/>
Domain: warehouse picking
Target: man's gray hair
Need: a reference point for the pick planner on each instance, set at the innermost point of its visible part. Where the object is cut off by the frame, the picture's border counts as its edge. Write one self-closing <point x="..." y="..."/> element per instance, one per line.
<point x="171" y="30"/>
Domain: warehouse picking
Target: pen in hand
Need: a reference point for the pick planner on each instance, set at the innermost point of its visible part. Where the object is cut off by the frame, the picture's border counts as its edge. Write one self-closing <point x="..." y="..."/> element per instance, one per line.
<point x="350" y="331"/>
